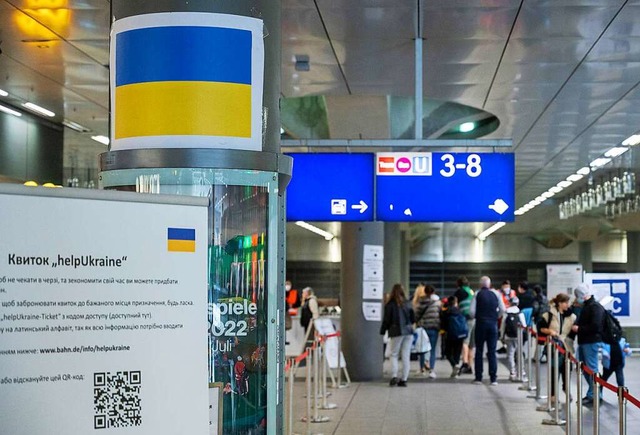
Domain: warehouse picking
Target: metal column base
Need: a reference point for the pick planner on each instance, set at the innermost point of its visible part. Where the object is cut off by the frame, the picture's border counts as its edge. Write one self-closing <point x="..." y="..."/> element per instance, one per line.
<point x="329" y="406"/>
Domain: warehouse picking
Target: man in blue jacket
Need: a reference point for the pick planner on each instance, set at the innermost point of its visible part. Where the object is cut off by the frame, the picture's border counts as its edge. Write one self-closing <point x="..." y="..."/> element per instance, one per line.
<point x="590" y="329"/>
<point x="486" y="307"/>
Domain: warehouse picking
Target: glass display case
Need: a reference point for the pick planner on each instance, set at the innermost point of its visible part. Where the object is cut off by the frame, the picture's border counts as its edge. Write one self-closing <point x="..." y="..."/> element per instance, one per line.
<point x="246" y="309"/>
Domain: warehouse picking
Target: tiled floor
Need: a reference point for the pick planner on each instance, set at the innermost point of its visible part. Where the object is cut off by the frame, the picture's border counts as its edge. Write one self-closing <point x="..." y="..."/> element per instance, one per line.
<point x="453" y="406"/>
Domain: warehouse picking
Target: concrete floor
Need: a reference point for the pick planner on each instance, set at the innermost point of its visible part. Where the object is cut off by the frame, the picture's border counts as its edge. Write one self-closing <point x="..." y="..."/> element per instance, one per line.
<point x="454" y="406"/>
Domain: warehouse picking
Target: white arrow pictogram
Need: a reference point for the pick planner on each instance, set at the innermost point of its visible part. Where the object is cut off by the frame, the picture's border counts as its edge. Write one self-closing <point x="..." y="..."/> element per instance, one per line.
<point x="362" y="206"/>
<point x="499" y="206"/>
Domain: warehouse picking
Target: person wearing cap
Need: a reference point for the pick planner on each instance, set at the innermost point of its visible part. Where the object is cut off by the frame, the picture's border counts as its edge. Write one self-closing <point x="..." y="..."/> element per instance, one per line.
<point x="509" y="334"/>
<point x="590" y="329"/>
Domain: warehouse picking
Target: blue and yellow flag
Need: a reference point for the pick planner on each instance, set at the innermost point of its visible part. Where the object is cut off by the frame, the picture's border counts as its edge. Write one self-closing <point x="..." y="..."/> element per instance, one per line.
<point x="183" y="80"/>
<point x="181" y="239"/>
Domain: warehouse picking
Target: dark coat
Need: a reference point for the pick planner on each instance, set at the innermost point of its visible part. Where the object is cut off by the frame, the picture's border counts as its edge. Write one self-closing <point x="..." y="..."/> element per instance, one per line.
<point x="398" y="319"/>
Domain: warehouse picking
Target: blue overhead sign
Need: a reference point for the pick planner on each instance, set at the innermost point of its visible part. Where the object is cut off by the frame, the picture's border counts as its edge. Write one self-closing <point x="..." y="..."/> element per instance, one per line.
<point x="445" y="187"/>
<point x="331" y="187"/>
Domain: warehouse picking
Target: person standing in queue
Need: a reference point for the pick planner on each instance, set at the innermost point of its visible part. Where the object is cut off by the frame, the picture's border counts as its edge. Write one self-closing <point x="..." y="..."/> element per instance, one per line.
<point x="590" y="329"/>
<point x="309" y="311"/>
<point x="427" y="313"/>
<point x="398" y="321"/>
<point x="486" y="307"/>
<point x="464" y="296"/>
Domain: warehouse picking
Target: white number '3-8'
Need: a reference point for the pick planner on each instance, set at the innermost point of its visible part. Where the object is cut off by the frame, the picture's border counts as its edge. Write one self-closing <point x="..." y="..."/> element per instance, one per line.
<point x="472" y="167"/>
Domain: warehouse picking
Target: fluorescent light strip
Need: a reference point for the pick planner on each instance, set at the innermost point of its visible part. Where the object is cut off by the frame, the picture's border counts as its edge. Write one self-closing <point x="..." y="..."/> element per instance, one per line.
<point x="632" y="140"/>
<point x="327" y="235"/>
<point x="616" y="151"/>
<point x="38" y="109"/>
<point x="575" y="177"/>
<point x="102" y="139"/>
<point x="9" y="111"/>
<point x="492" y="229"/>
<point x="583" y="171"/>
<point x="75" y="126"/>
<point x="600" y="161"/>
<point x="3" y="93"/>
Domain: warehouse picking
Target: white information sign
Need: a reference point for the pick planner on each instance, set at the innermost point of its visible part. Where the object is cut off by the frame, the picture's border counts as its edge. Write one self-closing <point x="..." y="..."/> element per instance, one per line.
<point x="372" y="311"/>
<point x="624" y="289"/>
<point x="103" y="321"/>
<point x="373" y="271"/>
<point x="373" y="253"/>
<point x="563" y="278"/>
<point x="325" y="327"/>
<point x="372" y="290"/>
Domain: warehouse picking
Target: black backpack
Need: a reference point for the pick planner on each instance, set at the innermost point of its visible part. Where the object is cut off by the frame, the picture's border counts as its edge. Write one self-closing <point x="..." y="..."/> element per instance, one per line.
<point x="612" y="329"/>
<point x="305" y="315"/>
<point x="511" y="324"/>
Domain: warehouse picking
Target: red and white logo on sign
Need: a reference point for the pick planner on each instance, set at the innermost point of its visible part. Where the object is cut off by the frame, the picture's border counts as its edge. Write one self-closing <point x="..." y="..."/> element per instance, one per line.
<point x="386" y="164"/>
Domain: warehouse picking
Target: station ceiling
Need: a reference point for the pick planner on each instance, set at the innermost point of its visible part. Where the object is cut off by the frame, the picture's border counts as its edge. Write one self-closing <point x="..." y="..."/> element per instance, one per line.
<point x="561" y="76"/>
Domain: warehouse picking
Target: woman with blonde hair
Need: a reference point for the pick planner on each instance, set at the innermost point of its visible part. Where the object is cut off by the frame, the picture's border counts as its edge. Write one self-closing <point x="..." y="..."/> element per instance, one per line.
<point x="427" y="309"/>
<point x="398" y="322"/>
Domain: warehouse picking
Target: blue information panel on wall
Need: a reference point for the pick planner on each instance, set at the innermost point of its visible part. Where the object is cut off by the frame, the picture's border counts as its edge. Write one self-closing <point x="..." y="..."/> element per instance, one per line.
<point x="331" y="187"/>
<point x="445" y="187"/>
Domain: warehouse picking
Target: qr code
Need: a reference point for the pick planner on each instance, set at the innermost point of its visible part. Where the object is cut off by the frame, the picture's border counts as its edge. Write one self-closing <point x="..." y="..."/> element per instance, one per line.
<point x="116" y="399"/>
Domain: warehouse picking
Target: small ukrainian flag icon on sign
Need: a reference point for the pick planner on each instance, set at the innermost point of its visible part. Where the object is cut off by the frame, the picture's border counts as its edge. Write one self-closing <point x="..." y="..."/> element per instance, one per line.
<point x="181" y="239"/>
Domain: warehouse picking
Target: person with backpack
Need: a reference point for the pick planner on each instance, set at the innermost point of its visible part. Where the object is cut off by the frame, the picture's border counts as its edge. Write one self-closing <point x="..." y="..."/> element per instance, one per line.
<point x="427" y="312"/>
<point x="512" y="320"/>
<point x="398" y="321"/>
<point x="590" y="329"/>
<point x="464" y="296"/>
<point x="616" y="348"/>
<point x="309" y="311"/>
<point x="487" y="307"/>
<point x="455" y="323"/>
<point x="557" y="323"/>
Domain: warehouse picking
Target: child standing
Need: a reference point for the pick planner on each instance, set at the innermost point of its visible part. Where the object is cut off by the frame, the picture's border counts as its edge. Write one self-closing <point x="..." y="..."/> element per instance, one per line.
<point x="455" y="323"/>
<point x="513" y="319"/>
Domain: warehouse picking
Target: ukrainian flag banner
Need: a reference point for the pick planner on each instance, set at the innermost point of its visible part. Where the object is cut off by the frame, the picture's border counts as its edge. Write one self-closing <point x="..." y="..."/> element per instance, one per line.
<point x="187" y="80"/>
<point x="181" y="240"/>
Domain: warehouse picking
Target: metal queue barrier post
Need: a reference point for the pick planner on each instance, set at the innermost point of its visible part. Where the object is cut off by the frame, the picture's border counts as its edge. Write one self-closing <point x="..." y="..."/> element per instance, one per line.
<point x="622" y="410"/>
<point x="529" y="386"/>
<point x="325" y="363"/>
<point x="290" y="377"/>
<point x="538" y="386"/>
<point x="567" y="393"/>
<point x="555" y="421"/>
<point x="519" y="366"/>
<point x="579" y="398"/>
<point x="316" y="386"/>
<point x="547" y="407"/>
<point x="340" y="368"/>
<point x="596" y="404"/>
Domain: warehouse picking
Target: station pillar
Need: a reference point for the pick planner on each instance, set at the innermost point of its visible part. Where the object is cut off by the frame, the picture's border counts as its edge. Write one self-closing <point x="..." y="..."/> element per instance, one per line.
<point x="633" y="251"/>
<point x="585" y="257"/>
<point x="361" y="339"/>
<point x="194" y="110"/>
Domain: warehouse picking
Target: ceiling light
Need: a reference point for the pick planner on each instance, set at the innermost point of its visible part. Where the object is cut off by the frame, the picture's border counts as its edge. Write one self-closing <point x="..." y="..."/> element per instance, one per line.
<point x="327" y="235"/>
<point x="555" y="189"/>
<point x="548" y="194"/>
<point x="519" y="212"/>
<point x="466" y="127"/>
<point x="540" y="198"/>
<point x="102" y="139"/>
<point x="9" y="111"/>
<point x="3" y="93"/>
<point x="632" y="140"/>
<point x="564" y="184"/>
<point x="575" y="177"/>
<point x="600" y="161"/>
<point x="583" y="171"/>
<point x="492" y="229"/>
<point x="535" y="202"/>
<point x="75" y="126"/>
<point x="38" y="109"/>
<point x="616" y="151"/>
